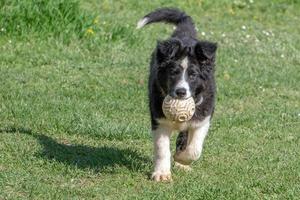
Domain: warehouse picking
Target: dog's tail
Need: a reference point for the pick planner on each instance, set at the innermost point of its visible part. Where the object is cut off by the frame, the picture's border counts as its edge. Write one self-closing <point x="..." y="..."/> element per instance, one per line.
<point x="184" y="23"/>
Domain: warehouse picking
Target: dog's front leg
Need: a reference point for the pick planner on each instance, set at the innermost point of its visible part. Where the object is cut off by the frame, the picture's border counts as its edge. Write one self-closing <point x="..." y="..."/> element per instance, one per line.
<point x="194" y="140"/>
<point x="162" y="154"/>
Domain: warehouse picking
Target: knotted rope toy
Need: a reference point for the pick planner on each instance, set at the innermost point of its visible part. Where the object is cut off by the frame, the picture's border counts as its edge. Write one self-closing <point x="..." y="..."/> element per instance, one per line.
<point x="178" y="110"/>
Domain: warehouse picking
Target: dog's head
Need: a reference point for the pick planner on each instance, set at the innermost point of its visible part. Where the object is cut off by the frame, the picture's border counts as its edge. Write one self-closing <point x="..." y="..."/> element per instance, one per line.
<point x="184" y="70"/>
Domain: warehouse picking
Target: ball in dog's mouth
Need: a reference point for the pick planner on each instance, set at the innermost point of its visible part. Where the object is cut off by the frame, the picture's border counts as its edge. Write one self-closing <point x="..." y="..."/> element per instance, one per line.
<point x="178" y="110"/>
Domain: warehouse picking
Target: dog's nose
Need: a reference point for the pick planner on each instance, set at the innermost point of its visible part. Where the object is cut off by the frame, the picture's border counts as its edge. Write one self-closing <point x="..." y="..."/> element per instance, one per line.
<point x="180" y="92"/>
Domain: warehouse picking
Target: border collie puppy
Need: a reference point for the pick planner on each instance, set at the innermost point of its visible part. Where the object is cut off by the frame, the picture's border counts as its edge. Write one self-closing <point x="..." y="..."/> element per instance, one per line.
<point x="182" y="67"/>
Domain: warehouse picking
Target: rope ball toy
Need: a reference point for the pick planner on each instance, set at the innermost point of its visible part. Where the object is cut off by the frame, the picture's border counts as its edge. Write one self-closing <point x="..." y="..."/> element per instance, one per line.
<point x="178" y="110"/>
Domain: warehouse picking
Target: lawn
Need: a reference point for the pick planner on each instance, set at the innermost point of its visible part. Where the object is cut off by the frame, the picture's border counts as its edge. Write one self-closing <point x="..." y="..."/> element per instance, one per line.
<point x="74" y="120"/>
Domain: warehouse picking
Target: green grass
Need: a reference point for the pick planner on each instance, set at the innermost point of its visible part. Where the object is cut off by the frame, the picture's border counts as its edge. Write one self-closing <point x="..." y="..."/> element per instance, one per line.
<point x="74" y="120"/>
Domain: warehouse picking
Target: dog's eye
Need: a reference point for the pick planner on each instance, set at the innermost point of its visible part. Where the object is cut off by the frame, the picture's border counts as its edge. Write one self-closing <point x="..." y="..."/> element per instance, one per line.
<point x="192" y="75"/>
<point x="175" y="72"/>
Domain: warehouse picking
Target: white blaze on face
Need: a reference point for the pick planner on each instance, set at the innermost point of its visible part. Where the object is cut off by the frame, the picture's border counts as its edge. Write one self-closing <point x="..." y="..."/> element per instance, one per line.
<point x="183" y="82"/>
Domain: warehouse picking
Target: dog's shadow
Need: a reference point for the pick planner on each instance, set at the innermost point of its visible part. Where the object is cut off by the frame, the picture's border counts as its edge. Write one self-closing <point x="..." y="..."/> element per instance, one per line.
<point x="99" y="159"/>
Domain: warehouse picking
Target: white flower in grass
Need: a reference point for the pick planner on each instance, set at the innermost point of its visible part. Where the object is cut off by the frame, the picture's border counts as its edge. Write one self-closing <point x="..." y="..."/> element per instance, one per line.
<point x="262" y="89"/>
<point x="282" y="56"/>
<point x="244" y="27"/>
<point x="247" y="36"/>
<point x="203" y="33"/>
<point x="223" y="35"/>
<point x="2" y="29"/>
<point x="266" y="33"/>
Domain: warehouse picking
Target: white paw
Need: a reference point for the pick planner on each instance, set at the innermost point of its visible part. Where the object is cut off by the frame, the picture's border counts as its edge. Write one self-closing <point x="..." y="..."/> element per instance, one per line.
<point x="161" y="176"/>
<point x="186" y="168"/>
<point x="186" y="157"/>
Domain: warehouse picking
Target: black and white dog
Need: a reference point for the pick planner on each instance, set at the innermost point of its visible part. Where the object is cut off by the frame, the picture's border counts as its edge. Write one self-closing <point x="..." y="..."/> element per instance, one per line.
<point x="181" y="66"/>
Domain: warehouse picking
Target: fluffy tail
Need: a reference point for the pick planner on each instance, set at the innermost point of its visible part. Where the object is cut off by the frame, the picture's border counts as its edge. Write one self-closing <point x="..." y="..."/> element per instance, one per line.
<point x="184" y="23"/>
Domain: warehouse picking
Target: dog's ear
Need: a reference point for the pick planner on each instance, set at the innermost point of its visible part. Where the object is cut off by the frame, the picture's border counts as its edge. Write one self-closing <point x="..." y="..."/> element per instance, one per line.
<point x="168" y="49"/>
<point x="205" y="51"/>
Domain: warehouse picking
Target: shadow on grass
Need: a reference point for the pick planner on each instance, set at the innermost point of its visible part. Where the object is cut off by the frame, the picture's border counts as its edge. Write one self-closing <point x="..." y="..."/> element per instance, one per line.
<point x="99" y="159"/>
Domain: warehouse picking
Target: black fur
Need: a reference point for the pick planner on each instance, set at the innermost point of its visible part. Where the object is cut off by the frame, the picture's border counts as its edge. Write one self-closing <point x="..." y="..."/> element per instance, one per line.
<point x="181" y="141"/>
<point x="165" y="67"/>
